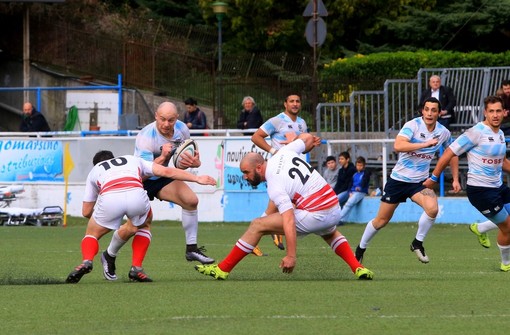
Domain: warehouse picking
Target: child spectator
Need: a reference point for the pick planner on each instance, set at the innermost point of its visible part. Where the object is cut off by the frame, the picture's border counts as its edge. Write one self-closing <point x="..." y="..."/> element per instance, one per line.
<point x="358" y="189"/>
<point x="344" y="178"/>
<point x="331" y="172"/>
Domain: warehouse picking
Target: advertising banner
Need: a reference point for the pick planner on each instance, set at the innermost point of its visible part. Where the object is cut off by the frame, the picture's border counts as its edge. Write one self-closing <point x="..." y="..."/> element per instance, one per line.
<point x="30" y="160"/>
<point x="235" y="150"/>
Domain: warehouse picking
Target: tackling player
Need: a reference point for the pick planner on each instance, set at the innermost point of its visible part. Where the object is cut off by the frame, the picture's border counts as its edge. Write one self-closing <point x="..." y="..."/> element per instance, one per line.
<point x="114" y="189"/>
<point x="306" y="204"/>
<point x="417" y="143"/>
<point x="485" y="146"/>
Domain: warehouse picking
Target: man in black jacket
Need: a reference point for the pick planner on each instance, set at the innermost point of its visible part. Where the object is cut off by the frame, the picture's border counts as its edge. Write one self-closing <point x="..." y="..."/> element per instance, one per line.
<point x="445" y="96"/>
<point x="344" y="179"/>
<point x="33" y="120"/>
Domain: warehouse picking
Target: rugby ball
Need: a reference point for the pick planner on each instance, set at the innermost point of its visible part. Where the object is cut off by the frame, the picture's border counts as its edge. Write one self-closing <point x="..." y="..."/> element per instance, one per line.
<point x="188" y="146"/>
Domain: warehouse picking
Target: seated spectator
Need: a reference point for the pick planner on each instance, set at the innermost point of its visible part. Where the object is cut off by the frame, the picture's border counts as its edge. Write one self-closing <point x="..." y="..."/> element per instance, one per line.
<point x="33" y="120"/>
<point x="445" y="96"/>
<point x="504" y="93"/>
<point x="194" y="117"/>
<point x="331" y="172"/>
<point x="358" y="189"/>
<point x="345" y="173"/>
<point x="250" y="117"/>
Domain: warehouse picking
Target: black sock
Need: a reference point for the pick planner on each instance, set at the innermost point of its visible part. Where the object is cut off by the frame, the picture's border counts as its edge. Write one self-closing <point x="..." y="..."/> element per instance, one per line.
<point x="417" y="243"/>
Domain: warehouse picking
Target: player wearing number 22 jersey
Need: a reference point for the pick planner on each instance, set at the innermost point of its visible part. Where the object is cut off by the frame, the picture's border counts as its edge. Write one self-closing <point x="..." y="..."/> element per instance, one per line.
<point x="306" y="204"/>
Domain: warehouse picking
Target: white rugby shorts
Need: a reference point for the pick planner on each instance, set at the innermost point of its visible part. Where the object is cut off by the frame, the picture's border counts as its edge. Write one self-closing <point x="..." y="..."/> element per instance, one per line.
<point x="111" y="207"/>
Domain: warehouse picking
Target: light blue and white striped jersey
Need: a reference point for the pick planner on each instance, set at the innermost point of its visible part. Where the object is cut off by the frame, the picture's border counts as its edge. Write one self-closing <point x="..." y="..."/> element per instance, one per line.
<point x="277" y="126"/>
<point x="486" y="152"/>
<point x="414" y="166"/>
<point x="149" y="140"/>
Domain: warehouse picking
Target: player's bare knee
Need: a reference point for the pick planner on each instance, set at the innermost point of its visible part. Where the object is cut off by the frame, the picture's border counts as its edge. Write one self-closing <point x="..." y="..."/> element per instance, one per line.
<point x="379" y="223"/>
<point x="257" y="225"/>
<point x="432" y="211"/>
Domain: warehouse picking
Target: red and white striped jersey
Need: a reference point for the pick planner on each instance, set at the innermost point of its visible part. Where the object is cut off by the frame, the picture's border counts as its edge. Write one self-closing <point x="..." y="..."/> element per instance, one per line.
<point x="115" y="175"/>
<point x="291" y="181"/>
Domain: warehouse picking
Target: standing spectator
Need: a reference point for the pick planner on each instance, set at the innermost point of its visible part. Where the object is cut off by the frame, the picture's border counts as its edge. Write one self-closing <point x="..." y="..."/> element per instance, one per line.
<point x="33" y="120"/>
<point x="485" y="147"/>
<point x="250" y="117"/>
<point x="282" y="129"/>
<point x="358" y="189"/>
<point x="306" y="204"/>
<point x="446" y="98"/>
<point x="194" y="117"/>
<point x="331" y="172"/>
<point x="345" y="173"/>
<point x="417" y="143"/>
<point x="504" y="94"/>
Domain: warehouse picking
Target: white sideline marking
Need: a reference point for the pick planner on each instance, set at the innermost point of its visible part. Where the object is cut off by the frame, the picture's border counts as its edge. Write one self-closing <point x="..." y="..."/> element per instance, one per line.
<point x="309" y="317"/>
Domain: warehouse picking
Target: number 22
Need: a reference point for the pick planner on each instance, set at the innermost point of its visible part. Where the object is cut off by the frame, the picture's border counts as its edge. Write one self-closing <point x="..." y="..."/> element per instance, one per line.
<point x="293" y="172"/>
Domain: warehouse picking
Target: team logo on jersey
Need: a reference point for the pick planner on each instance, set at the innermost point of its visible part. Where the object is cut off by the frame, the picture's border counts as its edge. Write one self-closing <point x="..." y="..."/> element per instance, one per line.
<point x="300" y="128"/>
<point x="289" y="126"/>
<point x="491" y="139"/>
<point x="422" y="135"/>
<point x="501" y="139"/>
<point x="436" y="137"/>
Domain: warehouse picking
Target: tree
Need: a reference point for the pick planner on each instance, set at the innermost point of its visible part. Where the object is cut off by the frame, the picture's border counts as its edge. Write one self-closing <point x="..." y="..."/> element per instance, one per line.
<point x="261" y="25"/>
<point x="459" y="25"/>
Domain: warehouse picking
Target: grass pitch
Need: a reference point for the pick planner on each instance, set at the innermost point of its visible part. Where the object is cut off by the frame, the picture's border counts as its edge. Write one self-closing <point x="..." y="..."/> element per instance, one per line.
<point x="461" y="290"/>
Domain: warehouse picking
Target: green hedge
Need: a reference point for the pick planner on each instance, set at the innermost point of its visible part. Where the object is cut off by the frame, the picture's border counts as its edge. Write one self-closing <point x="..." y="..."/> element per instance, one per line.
<point x="405" y="65"/>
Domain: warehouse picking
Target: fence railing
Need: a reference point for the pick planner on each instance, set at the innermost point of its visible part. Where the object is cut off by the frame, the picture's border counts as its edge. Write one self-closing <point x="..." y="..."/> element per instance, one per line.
<point x="376" y="114"/>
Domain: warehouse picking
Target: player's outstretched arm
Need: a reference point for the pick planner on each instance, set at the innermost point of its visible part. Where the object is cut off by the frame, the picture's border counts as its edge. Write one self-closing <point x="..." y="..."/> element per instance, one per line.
<point x="288" y="262"/>
<point x="178" y="174"/>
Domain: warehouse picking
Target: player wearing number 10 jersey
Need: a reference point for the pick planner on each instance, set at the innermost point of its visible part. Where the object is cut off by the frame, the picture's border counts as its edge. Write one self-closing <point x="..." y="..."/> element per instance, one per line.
<point x="306" y="204"/>
<point x="114" y="189"/>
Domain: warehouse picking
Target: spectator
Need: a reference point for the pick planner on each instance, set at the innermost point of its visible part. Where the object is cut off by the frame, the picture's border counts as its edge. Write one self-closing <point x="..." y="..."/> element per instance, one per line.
<point x="33" y="120"/>
<point x="194" y="117"/>
<point x="345" y="173"/>
<point x="331" y="172"/>
<point x="446" y="98"/>
<point x="504" y="94"/>
<point x="250" y="117"/>
<point x="358" y="189"/>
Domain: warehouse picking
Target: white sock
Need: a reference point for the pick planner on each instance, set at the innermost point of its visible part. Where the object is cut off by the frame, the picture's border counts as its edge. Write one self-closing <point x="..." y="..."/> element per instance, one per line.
<point x="190" y="225"/>
<point x="424" y="224"/>
<point x="368" y="234"/>
<point x="115" y="244"/>
<point x="504" y="250"/>
<point x="486" y="226"/>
